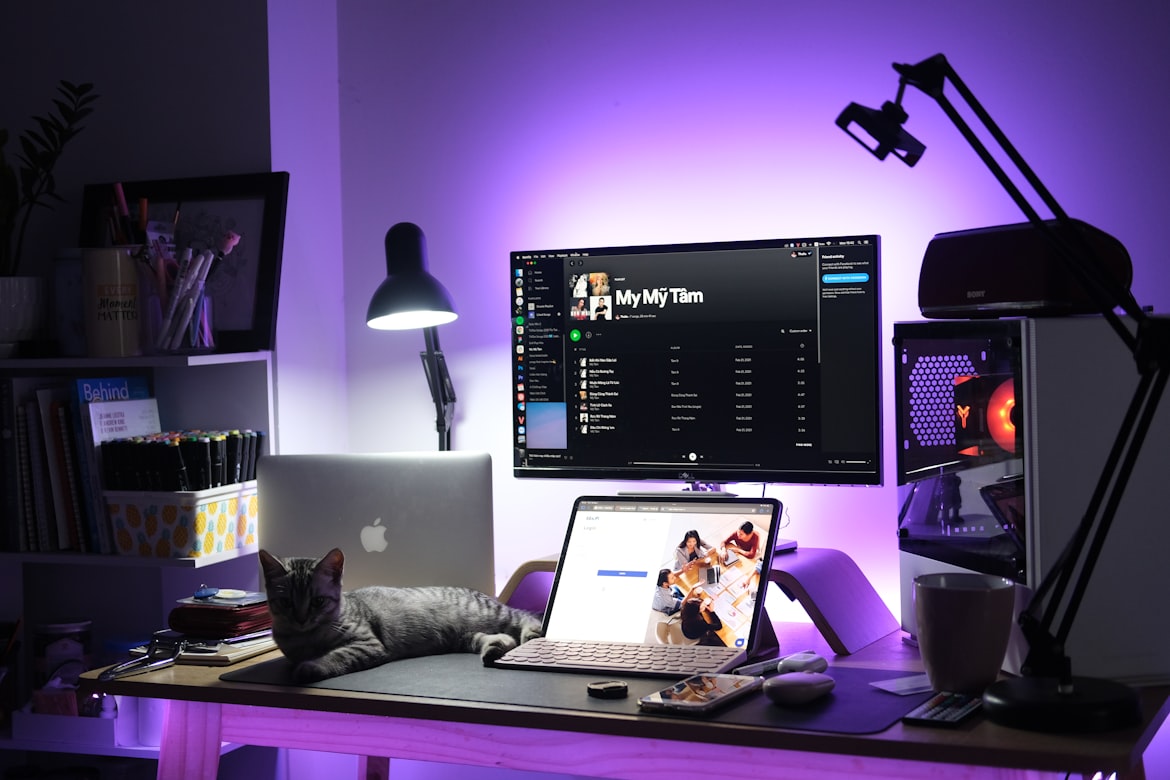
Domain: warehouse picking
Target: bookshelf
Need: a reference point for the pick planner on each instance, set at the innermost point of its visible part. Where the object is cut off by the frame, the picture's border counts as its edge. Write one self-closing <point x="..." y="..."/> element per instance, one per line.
<point x="128" y="597"/>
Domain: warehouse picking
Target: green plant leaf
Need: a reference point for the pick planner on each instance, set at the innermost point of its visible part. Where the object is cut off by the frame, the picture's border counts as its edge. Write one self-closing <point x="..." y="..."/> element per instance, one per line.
<point x="30" y="183"/>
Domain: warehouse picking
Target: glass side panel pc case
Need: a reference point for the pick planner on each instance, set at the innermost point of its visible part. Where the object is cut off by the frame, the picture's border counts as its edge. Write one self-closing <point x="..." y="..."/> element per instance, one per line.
<point x="751" y="361"/>
<point x="960" y="444"/>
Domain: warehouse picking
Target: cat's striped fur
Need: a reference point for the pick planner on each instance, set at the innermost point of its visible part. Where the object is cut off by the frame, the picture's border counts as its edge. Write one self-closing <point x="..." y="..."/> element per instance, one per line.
<point x="326" y="632"/>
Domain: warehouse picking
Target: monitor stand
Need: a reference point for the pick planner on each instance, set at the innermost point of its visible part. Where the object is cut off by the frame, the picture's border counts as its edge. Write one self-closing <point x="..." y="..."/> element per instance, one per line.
<point x="713" y="488"/>
<point x="842" y="603"/>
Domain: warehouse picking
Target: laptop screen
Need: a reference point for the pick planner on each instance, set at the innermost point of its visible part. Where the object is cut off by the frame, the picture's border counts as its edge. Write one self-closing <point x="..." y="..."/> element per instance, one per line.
<point x="693" y="565"/>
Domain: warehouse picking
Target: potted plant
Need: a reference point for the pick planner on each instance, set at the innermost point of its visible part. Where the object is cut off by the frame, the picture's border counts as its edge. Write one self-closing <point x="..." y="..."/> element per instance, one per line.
<point x="27" y="183"/>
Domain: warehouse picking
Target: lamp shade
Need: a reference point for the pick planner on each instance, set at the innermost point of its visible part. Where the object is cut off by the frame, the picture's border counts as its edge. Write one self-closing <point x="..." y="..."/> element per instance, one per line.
<point x="409" y="297"/>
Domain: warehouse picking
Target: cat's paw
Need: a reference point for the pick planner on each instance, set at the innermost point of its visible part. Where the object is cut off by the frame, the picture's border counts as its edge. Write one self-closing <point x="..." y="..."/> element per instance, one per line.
<point x="310" y="671"/>
<point x="530" y="633"/>
<point x="492" y="646"/>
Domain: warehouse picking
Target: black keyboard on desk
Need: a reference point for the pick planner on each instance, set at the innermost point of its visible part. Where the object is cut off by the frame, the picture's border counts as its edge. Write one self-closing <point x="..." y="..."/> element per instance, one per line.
<point x="624" y="657"/>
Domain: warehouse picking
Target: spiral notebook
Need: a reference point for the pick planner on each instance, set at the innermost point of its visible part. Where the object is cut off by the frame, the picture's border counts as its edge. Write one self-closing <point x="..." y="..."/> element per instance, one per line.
<point x="601" y="614"/>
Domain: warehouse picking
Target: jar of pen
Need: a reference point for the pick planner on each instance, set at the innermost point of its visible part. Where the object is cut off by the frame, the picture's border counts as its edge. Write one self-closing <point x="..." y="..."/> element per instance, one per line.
<point x="176" y="304"/>
<point x="177" y="312"/>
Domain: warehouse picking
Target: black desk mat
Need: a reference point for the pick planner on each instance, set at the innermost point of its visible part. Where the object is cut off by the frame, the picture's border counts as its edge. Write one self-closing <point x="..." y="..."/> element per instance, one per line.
<point x="853" y="707"/>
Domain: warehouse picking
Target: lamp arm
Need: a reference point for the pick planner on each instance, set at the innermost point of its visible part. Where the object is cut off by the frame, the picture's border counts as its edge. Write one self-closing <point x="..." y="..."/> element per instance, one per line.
<point x="1149" y="343"/>
<point x="439" y="382"/>
<point x="930" y="76"/>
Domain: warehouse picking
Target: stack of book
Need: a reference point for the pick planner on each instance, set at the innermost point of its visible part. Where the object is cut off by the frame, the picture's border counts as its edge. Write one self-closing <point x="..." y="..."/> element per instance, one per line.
<point x="65" y="443"/>
<point x="49" y="458"/>
<point x="219" y="630"/>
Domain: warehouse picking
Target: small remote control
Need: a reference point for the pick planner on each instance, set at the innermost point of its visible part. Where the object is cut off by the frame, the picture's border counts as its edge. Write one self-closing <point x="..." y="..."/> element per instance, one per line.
<point x="944" y="709"/>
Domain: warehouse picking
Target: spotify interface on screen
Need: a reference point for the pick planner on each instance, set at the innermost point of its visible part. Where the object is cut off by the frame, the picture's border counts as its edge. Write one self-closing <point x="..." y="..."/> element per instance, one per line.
<point x="698" y="356"/>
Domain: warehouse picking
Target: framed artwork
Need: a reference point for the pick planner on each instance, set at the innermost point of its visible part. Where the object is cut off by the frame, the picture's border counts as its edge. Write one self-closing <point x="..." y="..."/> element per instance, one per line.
<point x="245" y="283"/>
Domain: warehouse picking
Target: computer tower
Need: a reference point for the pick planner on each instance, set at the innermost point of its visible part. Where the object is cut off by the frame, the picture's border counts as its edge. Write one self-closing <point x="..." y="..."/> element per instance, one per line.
<point x="1004" y="427"/>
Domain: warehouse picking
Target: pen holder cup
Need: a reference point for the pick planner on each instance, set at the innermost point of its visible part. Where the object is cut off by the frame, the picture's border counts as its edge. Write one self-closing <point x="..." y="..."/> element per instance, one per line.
<point x="112" y="301"/>
<point x="179" y="323"/>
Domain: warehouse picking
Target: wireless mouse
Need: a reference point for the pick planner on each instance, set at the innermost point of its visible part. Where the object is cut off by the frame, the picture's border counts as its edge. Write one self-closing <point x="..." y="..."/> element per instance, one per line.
<point x="798" y="687"/>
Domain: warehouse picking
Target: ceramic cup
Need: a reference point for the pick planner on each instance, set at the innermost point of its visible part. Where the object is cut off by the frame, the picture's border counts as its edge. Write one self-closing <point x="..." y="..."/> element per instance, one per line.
<point x="964" y="623"/>
<point x="110" y="292"/>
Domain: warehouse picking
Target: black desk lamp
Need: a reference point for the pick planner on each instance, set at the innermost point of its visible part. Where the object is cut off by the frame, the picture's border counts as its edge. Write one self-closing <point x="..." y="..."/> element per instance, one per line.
<point x="1047" y="697"/>
<point x="411" y="298"/>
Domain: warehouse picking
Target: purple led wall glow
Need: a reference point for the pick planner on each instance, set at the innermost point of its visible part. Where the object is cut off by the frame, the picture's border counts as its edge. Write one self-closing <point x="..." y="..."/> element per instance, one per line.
<point x="540" y="125"/>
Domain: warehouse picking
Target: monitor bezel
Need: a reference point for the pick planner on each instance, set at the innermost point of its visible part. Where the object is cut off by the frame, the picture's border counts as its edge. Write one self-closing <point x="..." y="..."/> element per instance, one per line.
<point x="704" y="477"/>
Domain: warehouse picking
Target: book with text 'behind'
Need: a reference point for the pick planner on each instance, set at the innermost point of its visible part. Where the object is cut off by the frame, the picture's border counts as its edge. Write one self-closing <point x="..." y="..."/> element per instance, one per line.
<point x="87" y="391"/>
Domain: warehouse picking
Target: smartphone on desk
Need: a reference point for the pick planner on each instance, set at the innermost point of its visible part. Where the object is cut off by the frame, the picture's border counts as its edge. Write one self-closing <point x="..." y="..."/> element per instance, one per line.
<point x="700" y="694"/>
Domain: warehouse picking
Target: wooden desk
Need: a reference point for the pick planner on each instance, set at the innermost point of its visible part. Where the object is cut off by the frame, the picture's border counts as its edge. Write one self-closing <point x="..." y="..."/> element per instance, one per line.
<point x="205" y="710"/>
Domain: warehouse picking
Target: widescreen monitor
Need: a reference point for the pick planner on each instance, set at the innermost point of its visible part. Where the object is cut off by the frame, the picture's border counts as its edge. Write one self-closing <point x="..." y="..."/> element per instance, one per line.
<point x="746" y="361"/>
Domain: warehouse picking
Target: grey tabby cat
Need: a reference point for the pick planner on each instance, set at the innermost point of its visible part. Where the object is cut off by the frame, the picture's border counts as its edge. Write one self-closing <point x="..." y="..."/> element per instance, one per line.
<point x="326" y="632"/>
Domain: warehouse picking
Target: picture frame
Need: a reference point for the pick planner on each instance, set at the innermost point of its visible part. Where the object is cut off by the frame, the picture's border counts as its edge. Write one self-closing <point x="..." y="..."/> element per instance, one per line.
<point x="245" y="288"/>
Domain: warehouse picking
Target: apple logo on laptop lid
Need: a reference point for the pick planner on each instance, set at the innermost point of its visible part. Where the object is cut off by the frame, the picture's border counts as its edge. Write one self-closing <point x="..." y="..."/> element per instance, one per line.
<point x="374" y="537"/>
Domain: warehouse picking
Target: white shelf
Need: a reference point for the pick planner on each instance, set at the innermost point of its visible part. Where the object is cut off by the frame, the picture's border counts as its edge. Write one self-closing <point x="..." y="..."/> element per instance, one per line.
<point x="233" y="389"/>
<point x="147" y="361"/>
<point x="122" y="561"/>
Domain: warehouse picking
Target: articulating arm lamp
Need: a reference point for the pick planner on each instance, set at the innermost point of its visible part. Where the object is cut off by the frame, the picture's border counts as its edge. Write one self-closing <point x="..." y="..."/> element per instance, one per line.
<point x="1048" y="697"/>
<point x="439" y="381"/>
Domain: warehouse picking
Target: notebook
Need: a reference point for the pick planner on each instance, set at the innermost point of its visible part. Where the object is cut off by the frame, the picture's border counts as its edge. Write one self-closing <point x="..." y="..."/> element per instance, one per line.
<point x="604" y="613"/>
<point x="401" y="518"/>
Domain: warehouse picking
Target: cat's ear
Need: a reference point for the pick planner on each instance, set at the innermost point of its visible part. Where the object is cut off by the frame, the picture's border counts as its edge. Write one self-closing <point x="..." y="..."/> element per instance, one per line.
<point x="272" y="566"/>
<point x="332" y="564"/>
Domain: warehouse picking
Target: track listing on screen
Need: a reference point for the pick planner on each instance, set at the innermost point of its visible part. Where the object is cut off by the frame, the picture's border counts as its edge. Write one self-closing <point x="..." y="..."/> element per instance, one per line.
<point x="698" y="359"/>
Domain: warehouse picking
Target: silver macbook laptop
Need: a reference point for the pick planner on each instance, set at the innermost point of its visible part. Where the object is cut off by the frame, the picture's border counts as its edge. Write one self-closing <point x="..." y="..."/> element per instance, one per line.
<point x="401" y="518"/>
<point x="662" y="586"/>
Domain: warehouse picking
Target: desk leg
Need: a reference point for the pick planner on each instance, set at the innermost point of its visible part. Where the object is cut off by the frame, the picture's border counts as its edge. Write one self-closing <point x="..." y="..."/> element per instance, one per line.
<point x="190" y="742"/>
<point x="373" y="768"/>
<point x="836" y="595"/>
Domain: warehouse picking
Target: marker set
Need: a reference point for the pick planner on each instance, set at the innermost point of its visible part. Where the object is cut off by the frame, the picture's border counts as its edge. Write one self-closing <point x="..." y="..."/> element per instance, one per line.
<point x="181" y="461"/>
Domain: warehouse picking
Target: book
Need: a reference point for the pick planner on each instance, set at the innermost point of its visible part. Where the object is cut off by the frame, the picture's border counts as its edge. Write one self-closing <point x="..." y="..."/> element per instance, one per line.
<point x="219" y="622"/>
<point x="80" y="529"/>
<point x="15" y="391"/>
<point x="27" y="514"/>
<point x="42" y="493"/>
<point x="88" y="391"/>
<point x="57" y="443"/>
<point x="220" y="653"/>
<point x="11" y="521"/>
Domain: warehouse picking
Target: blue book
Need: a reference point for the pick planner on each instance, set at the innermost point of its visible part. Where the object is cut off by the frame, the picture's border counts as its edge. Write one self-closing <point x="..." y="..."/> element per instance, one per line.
<point x="86" y="392"/>
<point x="111" y="388"/>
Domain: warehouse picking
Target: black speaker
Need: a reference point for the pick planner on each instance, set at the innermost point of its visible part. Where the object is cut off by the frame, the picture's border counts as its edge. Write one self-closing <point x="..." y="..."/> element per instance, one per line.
<point x="1010" y="271"/>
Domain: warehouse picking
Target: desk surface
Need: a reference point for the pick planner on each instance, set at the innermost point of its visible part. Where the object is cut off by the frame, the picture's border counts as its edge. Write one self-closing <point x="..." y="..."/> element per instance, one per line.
<point x="616" y="745"/>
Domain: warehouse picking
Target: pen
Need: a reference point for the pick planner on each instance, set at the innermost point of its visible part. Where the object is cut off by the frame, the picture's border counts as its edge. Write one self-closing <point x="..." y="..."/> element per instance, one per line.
<point x="257" y="453"/>
<point x="205" y="478"/>
<point x="181" y="482"/>
<point x="235" y="443"/>
<point x="176" y="293"/>
<point x="761" y="667"/>
<point x="123" y="213"/>
<point x="218" y="459"/>
<point x="247" y="457"/>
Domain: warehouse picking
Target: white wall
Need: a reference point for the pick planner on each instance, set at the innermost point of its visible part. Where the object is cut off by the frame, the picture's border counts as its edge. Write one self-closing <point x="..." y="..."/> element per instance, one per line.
<point x="310" y="355"/>
<point x="527" y="125"/>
